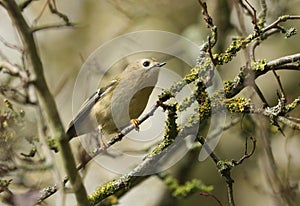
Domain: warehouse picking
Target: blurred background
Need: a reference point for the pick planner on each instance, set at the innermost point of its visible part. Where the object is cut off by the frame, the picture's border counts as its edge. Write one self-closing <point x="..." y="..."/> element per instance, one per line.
<point x="64" y="50"/>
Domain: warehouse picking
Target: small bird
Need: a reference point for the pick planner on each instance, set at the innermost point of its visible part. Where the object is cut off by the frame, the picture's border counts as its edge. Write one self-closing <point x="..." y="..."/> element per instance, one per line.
<point x="114" y="106"/>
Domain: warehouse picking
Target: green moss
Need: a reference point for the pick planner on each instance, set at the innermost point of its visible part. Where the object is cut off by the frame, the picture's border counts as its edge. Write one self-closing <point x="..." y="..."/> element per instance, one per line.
<point x="178" y="86"/>
<point x="217" y="100"/>
<point x="171" y="130"/>
<point x="165" y="95"/>
<point x="192" y="120"/>
<point x="235" y="46"/>
<point x="261" y="22"/>
<point x="102" y="192"/>
<point x="284" y="17"/>
<point x="230" y="52"/>
<point x="224" y="166"/>
<point x="259" y="65"/>
<point x="11" y="123"/>
<point x="291" y="106"/>
<point x="52" y="143"/>
<point x="171" y="182"/>
<point x="191" y="187"/>
<point x="192" y="76"/>
<point x="160" y="147"/>
<point x="186" y="189"/>
<point x="238" y="104"/>
<point x="5" y="183"/>
<point x="290" y="32"/>
<point x="187" y="102"/>
<point x="204" y="111"/>
<point x="228" y="86"/>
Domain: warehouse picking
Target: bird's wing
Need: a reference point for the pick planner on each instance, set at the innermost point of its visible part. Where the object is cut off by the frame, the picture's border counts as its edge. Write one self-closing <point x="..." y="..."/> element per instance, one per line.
<point x="87" y="106"/>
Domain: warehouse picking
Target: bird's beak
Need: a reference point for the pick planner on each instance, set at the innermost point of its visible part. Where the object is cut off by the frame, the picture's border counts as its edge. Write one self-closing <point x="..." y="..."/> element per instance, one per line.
<point x="160" y="64"/>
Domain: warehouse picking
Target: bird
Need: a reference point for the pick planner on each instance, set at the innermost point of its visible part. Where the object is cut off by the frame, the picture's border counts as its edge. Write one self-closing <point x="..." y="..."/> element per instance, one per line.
<point x="116" y="105"/>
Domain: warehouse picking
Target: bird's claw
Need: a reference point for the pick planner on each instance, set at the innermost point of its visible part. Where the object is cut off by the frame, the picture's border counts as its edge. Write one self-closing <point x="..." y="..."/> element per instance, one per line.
<point x="135" y="123"/>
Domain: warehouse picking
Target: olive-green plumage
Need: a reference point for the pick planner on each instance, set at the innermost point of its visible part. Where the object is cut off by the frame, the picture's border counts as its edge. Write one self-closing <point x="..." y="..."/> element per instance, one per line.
<point x="113" y="106"/>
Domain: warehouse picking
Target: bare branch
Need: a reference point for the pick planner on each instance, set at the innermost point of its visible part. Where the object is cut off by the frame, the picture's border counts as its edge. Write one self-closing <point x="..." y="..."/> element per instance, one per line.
<point x="273" y="64"/>
<point x="246" y="154"/>
<point x="281" y="19"/>
<point x="51" y="26"/>
<point x="41" y="12"/>
<point x="24" y="4"/>
<point x="46" y="99"/>
<point x="54" y="10"/>
<point x="9" y="45"/>
<point x="254" y="17"/>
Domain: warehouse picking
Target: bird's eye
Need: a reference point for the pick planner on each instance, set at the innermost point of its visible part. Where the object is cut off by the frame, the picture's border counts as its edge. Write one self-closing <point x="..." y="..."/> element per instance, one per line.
<point x="146" y="63"/>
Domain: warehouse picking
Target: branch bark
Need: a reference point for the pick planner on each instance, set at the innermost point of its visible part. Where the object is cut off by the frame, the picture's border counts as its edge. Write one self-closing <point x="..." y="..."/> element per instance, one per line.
<point x="46" y="100"/>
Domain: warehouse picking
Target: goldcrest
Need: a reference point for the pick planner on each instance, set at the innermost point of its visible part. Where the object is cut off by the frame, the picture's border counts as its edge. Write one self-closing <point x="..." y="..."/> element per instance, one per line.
<point x="111" y="108"/>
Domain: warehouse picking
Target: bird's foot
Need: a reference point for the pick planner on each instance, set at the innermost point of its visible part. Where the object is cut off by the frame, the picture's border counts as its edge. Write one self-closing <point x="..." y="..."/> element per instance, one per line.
<point x="135" y="123"/>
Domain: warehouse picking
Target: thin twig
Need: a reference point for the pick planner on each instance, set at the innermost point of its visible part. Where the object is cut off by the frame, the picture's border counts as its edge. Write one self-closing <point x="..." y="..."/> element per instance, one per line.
<point x="244" y="6"/>
<point x="51" y="26"/>
<point x="207" y="17"/>
<point x="119" y="136"/>
<point x="207" y="194"/>
<point x="254" y="17"/>
<point x="41" y="12"/>
<point x="209" y="22"/>
<point x="260" y="94"/>
<point x="280" y="20"/>
<point x="46" y="100"/>
<point x="246" y="154"/>
<point x="259" y="40"/>
<point x="54" y="10"/>
<point x="24" y="4"/>
<point x="273" y="64"/>
<point x="282" y="93"/>
<point x="9" y="45"/>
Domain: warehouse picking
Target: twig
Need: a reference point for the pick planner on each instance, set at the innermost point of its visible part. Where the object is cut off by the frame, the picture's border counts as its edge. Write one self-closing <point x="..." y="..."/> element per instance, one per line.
<point x="209" y="151"/>
<point x="9" y="45"/>
<point x="118" y="137"/>
<point x="209" y="22"/>
<point x="282" y="93"/>
<point x="208" y="194"/>
<point x="280" y="194"/>
<point x="246" y="154"/>
<point x="54" y="10"/>
<point x="46" y="100"/>
<point x="209" y="51"/>
<point x="254" y="17"/>
<point x="14" y="70"/>
<point x="263" y="13"/>
<point x="226" y="171"/>
<point x="207" y="18"/>
<point x="258" y="41"/>
<point x="280" y="20"/>
<point x="24" y="4"/>
<point x="296" y="119"/>
<point x="273" y="64"/>
<point x="51" y="26"/>
<point x="289" y="123"/>
<point x="292" y="66"/>
<point x="260" y="94"/>
<point x="41" y="12"/>
<point x="248" y="11"/>
<point x="286" y="62"/>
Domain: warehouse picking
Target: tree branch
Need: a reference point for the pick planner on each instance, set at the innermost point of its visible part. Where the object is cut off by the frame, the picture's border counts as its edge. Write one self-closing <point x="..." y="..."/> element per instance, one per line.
<point x="46" y="100"/>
